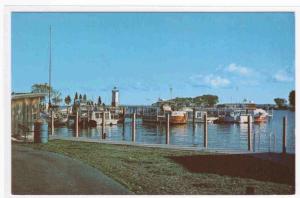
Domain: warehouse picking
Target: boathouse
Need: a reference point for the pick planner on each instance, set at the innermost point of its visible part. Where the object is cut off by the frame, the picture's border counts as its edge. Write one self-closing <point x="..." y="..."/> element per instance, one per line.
<point x="25" y="108"/>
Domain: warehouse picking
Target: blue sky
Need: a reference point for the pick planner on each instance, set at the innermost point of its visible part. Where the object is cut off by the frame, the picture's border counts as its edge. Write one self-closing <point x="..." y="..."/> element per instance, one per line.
<point x="232" y="55"/>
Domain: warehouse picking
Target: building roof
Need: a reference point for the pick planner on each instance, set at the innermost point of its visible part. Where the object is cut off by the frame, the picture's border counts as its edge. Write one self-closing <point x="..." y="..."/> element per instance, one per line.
<point x="16" y="96"/>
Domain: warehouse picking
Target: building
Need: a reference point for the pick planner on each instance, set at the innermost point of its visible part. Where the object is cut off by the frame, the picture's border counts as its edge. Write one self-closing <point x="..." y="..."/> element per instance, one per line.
<point x="25" y="109"/>
<point x="115" y="97"/>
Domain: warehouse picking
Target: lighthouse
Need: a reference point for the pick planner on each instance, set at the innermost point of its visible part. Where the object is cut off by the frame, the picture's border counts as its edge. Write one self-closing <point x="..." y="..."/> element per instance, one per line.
<point x="115" y="97"/>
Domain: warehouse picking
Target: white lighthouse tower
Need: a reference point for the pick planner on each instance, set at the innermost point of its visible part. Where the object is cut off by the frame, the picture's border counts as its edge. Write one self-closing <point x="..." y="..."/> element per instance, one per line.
<point x="115" y="97"/>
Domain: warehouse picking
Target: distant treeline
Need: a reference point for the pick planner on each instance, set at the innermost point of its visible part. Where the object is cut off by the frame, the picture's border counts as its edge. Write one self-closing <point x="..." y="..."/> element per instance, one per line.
<point x="204" y="100"/>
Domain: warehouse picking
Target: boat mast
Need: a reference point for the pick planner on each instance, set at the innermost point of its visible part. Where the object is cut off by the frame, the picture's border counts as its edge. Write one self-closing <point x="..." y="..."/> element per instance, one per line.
<point x="50" y="69"/>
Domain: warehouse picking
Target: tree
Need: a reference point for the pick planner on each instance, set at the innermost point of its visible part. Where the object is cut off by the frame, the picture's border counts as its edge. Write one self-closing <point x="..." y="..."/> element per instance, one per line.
<point x="292" y="98"/>
<point x="280" y="102"/>
<point x="99" y="100"/>
<point x="84" y="97"/>
<point x="80" y="97"/>
<point x="210" y="100"/>
<point x="75" y="97"/>
<point x="68" y="101"/>
<point x="42" y="88"/>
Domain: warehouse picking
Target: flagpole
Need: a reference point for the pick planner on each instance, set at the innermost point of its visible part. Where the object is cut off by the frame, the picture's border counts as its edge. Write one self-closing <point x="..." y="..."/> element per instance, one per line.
<point x="50" y="68"/>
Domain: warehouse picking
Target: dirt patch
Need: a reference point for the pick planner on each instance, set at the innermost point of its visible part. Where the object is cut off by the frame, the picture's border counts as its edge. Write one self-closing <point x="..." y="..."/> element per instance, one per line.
<point x="274" y="168"/>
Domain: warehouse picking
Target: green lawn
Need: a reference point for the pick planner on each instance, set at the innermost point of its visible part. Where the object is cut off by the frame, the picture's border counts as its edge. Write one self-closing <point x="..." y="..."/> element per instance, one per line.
<point x="150" y="171"/>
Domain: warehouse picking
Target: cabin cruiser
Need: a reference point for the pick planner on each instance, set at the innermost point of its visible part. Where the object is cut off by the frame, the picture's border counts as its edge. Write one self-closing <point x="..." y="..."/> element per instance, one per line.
<point x="97" y="118"/>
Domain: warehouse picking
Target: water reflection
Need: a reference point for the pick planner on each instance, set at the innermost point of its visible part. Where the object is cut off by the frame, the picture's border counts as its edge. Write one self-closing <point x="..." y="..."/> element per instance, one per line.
<point x="265" y="136"/>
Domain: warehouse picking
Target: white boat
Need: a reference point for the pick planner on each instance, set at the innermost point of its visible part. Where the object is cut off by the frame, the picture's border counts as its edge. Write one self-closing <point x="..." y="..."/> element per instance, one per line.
<point x="260" y="115"/>
<point x="97" y="117"/>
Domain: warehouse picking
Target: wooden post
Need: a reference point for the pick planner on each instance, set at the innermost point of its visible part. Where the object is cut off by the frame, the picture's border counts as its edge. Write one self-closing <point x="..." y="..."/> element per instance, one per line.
<point x="52" y="123"/>
<point x="194" y="115"/>
<point x="103" y="125"/>
<point x="133" y="127"/>
<point x="205" y="131"/>
<point x="274" y="140"/>
<point x="77" y="123"/>
<point x="123" y="131"/>
<point x="167" y="128"/>
<point x="249" y="133"/>
<point x="284" y="135"/>
<point x="270" y="142"/>
<point x="124" y="113"/>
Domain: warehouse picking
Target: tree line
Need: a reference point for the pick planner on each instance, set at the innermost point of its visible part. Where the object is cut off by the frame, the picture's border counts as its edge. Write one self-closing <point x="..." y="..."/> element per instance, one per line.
<point x="281" y="103"/>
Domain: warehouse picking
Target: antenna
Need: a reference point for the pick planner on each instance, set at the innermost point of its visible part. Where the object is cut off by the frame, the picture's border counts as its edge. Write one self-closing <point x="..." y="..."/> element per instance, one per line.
<point x="50" y="67"/>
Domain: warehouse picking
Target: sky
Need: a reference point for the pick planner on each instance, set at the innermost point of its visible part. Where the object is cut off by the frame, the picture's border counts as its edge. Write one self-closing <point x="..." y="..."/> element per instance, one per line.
<point x="235" y="56"/>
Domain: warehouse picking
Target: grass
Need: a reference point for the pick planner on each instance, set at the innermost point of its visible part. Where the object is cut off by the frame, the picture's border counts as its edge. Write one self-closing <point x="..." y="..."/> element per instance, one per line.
<point x="151" y="171"/>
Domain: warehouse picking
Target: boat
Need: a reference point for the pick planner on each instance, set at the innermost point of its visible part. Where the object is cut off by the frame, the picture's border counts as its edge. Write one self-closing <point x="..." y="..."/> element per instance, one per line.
<point x="260" y="115"/>
<point x="178" y="117"/>
<point x="59" y="119"/>
<point x="228" y="117"/>
<point x="97" y="117"/>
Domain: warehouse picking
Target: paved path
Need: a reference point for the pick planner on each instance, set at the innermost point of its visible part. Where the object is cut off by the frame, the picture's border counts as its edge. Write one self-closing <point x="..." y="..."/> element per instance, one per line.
<point x="41" y="172"/>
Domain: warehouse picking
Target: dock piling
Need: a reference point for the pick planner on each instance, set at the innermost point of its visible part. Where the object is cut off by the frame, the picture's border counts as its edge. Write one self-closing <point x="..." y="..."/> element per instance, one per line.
<point x="284" y="135"/>
<point x="77" y="123"/>
<point x="103" y="125"/>
<point x="133" y="127"/>
<point x="194" y="115"/>
<point x="274" y="140"/>
<point x="249" y="133"/>
<point x="167" y="128"/>
<point x="205" y="131"/>
<point x="124" y="113"/>
<point x="52" y="122"/>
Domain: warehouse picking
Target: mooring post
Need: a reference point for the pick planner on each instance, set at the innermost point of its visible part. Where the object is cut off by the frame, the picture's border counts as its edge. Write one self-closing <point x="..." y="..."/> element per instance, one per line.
<point x="167" y="128"/>
<point x="284" y="135"/>
<point x="274" y="140"/>
<point x="52" y="122"/>
<point x="124" y="113"/>
<point x="103" y="125"/>
<point x="194" y="115"/>
<point x="270" y="142"/>
<point x="205" y="131"/>
<point x="249" y="133"/>
<point x="77" y="123"/>
<point x="133" y="127"/>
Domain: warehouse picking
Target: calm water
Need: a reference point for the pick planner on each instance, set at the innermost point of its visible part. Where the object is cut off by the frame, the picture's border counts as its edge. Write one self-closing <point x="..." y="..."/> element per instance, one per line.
<point x="220" y="136"/>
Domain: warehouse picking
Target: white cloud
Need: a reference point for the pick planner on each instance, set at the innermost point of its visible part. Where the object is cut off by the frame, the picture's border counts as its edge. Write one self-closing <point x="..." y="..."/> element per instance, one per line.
<point x="282" y="76"/>
<point x="210" y="81"/>
<point x="244" y="71"/>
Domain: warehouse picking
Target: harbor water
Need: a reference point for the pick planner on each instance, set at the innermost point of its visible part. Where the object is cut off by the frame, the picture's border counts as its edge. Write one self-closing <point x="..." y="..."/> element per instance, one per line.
<point x="266" y="137"/>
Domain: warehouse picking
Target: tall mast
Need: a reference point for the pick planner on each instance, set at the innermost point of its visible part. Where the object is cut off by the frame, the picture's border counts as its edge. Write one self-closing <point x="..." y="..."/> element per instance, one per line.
<point x="50" y="67"/>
